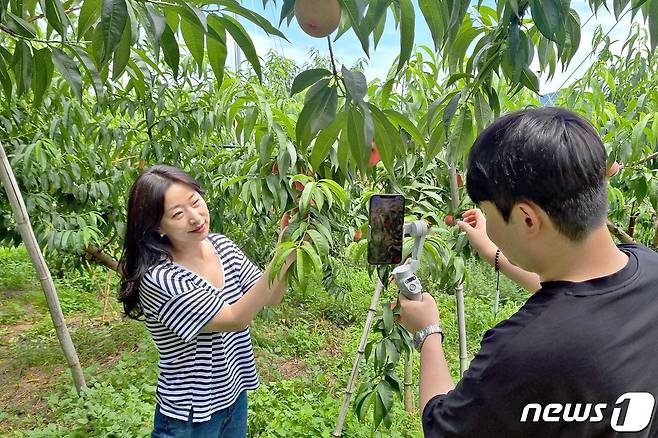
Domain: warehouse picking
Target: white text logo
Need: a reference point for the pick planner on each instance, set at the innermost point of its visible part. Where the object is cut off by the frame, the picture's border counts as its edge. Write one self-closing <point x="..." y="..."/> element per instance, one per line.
<point x="631" y="413"/>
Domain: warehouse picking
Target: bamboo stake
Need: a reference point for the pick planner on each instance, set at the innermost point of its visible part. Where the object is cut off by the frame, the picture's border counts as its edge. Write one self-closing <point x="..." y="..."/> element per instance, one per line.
<point x="338" y="431"/>
<point x="30" y="241"/>
<point x="459" y="290"/>
<point x="408" y="373"/>
<point x="106" y="294"/>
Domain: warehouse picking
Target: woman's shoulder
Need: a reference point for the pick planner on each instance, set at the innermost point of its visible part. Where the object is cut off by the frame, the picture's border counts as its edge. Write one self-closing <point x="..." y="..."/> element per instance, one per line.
<point x="165" y="275"/>
<point x="221" y="242"/>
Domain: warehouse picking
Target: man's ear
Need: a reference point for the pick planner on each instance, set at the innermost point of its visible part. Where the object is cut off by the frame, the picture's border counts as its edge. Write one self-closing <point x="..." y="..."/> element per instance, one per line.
<point x="529" y="217"/>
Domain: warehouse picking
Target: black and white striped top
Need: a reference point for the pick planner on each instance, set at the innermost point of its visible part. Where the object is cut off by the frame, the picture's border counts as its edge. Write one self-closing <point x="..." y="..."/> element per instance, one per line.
<point x="202" y="372"/>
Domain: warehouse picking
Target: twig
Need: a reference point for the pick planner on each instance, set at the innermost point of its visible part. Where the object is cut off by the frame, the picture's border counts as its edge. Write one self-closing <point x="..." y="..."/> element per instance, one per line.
<point x="36" y="17"/>
<point x="618" y="232"/>
<point x="643" y="160"/>
<point x="331" y="56"/>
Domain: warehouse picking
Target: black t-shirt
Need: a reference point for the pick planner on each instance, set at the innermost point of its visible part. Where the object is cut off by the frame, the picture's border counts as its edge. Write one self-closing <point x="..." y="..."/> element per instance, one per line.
<point x="577" y="360"/>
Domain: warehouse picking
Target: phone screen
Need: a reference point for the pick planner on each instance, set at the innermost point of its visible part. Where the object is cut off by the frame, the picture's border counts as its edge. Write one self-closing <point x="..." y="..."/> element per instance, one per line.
<point x="386" y="228"/>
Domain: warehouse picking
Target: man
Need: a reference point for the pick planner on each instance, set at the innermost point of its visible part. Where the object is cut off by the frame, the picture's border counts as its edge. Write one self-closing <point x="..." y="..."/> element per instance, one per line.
<point x="579" y="357"/>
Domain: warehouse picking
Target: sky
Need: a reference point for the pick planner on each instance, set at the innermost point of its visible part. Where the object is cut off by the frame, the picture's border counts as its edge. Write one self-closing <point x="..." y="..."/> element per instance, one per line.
<point x="347" y="49"/>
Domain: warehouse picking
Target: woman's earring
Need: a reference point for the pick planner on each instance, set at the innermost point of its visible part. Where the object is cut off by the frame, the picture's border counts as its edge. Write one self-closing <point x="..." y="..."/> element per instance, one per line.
<point x="161" y="235"/>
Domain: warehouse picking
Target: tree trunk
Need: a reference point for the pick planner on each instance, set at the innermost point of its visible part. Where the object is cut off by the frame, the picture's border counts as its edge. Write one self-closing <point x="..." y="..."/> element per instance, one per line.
<point x="30" y="241"/>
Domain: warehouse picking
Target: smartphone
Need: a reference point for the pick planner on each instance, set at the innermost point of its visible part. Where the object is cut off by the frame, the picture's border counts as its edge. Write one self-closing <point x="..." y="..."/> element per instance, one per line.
<point x="386" y="220"/>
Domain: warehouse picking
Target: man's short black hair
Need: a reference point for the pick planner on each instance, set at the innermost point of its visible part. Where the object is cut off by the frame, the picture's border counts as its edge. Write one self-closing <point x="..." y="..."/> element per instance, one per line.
<point x="549" y="156"/>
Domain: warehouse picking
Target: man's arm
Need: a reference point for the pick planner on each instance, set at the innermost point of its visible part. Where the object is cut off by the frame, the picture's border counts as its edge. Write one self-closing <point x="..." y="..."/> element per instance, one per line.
<point x="475" y="227"/>
<point x="435" y="377"/>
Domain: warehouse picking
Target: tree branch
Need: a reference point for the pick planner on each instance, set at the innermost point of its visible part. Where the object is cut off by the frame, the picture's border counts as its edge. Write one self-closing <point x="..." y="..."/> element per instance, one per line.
<point x="618" y="232"/>
<point x="103" y="258"/>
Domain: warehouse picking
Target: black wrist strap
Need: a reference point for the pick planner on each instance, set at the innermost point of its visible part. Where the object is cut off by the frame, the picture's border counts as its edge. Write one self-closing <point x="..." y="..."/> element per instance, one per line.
<point x="497" y="268"/>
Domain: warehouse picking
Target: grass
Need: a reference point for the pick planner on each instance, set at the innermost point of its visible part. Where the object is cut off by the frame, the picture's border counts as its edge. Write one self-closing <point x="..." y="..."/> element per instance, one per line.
<point x="304" y="352"/>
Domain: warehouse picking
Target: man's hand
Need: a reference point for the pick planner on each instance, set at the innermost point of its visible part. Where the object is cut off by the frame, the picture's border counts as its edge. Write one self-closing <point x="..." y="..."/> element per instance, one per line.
<point x="475" y="227"/>
<point x="415" y="315"/>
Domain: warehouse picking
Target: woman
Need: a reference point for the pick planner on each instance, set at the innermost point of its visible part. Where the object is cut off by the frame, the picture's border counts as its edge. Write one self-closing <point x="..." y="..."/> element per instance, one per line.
<point x="198" y="293"/>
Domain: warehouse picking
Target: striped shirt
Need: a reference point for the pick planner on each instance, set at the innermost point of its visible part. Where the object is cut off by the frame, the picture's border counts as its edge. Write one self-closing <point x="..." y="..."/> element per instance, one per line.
<point x="201" y="372"/>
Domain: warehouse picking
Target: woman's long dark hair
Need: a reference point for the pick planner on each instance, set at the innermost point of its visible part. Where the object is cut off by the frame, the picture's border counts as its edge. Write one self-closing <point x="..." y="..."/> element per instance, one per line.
<point x="143" y="247"/>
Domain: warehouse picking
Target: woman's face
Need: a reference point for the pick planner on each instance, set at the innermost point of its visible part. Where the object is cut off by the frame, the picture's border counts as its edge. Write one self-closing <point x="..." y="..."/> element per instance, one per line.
<point x="186" y="218"/>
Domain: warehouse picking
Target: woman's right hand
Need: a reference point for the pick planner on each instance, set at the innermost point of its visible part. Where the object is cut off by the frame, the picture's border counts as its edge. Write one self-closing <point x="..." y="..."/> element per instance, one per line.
<point x="475" y="227"/>
<point x="283" y="224"/>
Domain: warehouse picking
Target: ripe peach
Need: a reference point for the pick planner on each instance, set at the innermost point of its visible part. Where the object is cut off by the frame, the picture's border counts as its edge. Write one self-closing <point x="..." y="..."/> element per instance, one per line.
<point x="374" y="154"/>
<point x="318" y="18"/>
<point x="613" y="170"/>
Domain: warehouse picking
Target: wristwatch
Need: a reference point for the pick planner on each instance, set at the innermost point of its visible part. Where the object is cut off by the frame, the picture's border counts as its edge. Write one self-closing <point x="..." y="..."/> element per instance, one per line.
<point x="422" y="334"/>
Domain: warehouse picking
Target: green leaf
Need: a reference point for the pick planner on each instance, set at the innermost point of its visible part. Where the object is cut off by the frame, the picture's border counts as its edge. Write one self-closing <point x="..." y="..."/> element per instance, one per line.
<point x="302" y="256"/>
<point x="462" y="135"/>
<point x="307" y="78"/>
<point x="530" y="80"/>
<point x="483" y="113"/>
<point x="387" y="138"/>
<point x="317" y="114"/>
<point x="20" y="26"/>
<point x="280" y="256"/>
<point x="158" y="23"/>
<point x="431" y="10"/>
<point x="359" y="146"/>
<point x="89" y="14"/>
<point x="122" y="53"/>
<point x="69" y="70"/>
<point x="407" y="29"/>
<point x="376" y="12"/>
<point x="320" y="242"/>
<point x="22" y="63"/>
<point x="305" y="198"/>
<point x="353" y="14"/>
<point x="170" y="49"/>
<point x="326" y="139"/>
<point x="313" y="256"/>
<point x="5" y="81"/>
<point x="379" y="30"/>
<point x="364" y="403"/>
<point x="287" y="11"/>
<point x="114" y="17"/>
<point x="355" y="83"/>
<point x="549" y="17"/>
<point x="217" y="50"/>
<point x="237" y="8"/>
<point x="92" y="71"/>
<point x="653" y="24"/>
<point x="43" y="73"/>
<point x="407" y="125"/>
<point x="338" y="192"/>
<point x="637" y="136"/>
<point x="56" y="16"/>
<point x="194" y="37"/>
<point x="241" y="36"/>
<point x="387" y="317"/>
